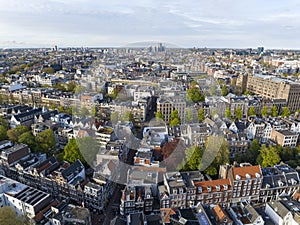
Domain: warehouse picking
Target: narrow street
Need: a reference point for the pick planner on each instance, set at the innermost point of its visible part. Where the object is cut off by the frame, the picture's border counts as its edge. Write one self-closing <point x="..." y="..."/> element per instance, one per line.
<point x="115" y="200"/>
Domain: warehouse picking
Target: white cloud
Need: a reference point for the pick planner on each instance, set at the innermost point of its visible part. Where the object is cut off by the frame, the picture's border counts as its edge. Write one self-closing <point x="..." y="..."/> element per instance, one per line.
<point x="88" y="22"/>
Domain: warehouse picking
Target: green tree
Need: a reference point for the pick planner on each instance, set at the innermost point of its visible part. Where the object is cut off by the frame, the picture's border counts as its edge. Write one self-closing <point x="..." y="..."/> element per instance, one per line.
<point x="268" y="156"/>
<point x="60" y="87"/>
<point x="285" y="112"/>
<point x="189" y="116"/>
<point x="46" y="141"/>
<point x="72" y="152"/>
<point x="159" y="115"/>
<point x="238" y="113"/>
<point x="114" y="94"/>
<point x="251" y="111"/>
<point x="223" y="154"/>
<point x="4" y="123"/>
<point x="228" y="113"/>
<point x="193" y="157"/>
<point x="14" y="133"/>
<point x="53" y="106"/>
<point x="194" y="95"/>
<point x="71" y="86"/>
<point x="114" y="117"/>
<point x="201" y="115"/>
<point x="28" y="139"/>
<point x="265" y="111"/>
<point x="62" y="109"/>
<point x="174" y="120"/>
<point x="89" y="148"/>
<point x="216" y="153"/>
<point x="79" y="89"/>
<point x="70" y="110"/>
<point x="127" y="116"/>
<point x="274" y="111"/>
<point x="8" y="216"/>
<point x="84" y="111"/>
<point x="253" y="152"/>
<point x="285" y="153"/>
<point x="48" y="70"/>
<point x="211" y="171"/>
<point x="297" y="152"/>
<point x="214" y="113"/>
<point x="93" y="111"/>
<point x="213" y="89"/>
<point x="224" y="91"/>
<point x="3" y="133"/>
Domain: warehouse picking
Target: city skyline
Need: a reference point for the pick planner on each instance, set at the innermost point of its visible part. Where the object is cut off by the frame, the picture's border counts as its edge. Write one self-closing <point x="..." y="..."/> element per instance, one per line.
<point x="217" y="23"/>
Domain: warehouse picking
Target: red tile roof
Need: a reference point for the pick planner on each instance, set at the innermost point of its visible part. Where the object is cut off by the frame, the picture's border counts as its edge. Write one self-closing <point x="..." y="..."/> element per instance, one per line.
<point x="219" y="213"/>
<point x="40" y="215"/>
<point x="213" y="184"/>
<point x="166" y="212"/>
<point x="242" y="171"/>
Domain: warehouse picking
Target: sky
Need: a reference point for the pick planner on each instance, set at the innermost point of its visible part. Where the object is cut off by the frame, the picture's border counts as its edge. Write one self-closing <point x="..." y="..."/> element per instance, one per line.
<point x="117" y="23"/>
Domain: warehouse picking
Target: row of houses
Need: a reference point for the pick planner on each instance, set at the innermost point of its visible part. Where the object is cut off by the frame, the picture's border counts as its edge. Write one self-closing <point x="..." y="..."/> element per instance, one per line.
<point x="60" y="180"/>
<point x="182" y="190"/>
<point x="40" y="207"/>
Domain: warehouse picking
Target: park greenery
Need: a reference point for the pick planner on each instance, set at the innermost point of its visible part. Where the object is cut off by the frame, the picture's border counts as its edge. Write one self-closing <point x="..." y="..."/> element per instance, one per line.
<point x="84" y="149"/>
<point x="269" y="155"/>
<point x="207" y="158"/>
<point x="42" y="142"/>
<point x="8" y="216"/>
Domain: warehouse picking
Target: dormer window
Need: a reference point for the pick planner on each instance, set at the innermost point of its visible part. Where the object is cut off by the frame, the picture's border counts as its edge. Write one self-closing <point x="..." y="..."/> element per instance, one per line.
<point x="257" y="175"/>
<point x="209" y="188"/>
<point x="293" y="181"/>
<point x="237" y="177"/>
<point x="248" y="176"/>
<point x="200" y="189"/>
<point x="225" y="187"/>
<point x="218" y="188"/>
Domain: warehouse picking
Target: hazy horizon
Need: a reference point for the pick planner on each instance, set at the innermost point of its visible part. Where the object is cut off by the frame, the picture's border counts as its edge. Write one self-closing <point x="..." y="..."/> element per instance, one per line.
<point x="212" y="24"/>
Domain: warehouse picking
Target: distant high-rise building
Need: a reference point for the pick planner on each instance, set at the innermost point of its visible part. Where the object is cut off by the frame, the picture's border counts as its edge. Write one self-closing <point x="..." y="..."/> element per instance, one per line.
<point x="55" y="48"/>
<point x="260" y="50"/>
<point x="157" y="48"/>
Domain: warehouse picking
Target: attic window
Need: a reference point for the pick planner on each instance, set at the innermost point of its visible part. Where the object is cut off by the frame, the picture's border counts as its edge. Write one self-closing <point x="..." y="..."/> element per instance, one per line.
<point x="209" y="188"/>
<point x="225" y="186"/>
<point x="199" y="189"/>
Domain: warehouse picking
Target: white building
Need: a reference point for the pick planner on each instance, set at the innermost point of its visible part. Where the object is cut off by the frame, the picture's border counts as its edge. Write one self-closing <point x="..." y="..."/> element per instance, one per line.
<point x="278" y="213"/>
<point x="23" y="199"/>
